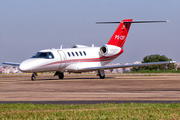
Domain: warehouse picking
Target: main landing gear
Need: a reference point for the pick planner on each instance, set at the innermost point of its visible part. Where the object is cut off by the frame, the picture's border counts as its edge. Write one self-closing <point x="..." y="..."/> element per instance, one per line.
<point x="33" y="77"/>
<point x="101" y="74"/>
<point x="60" y="74"/>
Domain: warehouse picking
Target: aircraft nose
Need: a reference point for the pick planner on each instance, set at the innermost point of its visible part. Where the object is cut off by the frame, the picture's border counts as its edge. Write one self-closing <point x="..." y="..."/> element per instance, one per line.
<point x="26" y="66"/>
<point x="22" y="67"/>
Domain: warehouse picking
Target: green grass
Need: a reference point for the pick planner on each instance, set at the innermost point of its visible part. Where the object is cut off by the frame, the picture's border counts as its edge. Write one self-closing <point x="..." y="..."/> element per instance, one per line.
<point x="100" y="111"/>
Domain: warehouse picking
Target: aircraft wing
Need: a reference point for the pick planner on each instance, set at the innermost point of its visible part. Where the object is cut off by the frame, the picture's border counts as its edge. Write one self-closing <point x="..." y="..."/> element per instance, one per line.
<point x="11" y="63"/>
<point x="123" y="66"/>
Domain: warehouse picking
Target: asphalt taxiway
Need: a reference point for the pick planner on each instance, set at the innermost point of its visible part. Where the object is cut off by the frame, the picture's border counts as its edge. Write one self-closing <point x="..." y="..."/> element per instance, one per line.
<point x="89" y="89"/>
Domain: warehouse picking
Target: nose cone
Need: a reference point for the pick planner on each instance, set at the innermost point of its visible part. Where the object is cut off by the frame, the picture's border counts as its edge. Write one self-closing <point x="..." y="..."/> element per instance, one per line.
<point x="23" y="67"/>
<point x="27" y="65"/>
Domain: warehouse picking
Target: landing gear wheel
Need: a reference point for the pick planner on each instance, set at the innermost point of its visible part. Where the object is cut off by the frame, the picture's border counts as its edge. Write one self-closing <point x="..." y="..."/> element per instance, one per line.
<point x="33" y="77"/>
<point x="102" y="77"/>
<point x="60" y="74"/>
<point x="101" y="74"/>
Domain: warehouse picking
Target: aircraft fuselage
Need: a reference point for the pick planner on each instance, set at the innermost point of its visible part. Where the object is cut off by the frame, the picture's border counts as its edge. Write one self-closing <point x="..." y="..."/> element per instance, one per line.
<point x="69" y="60"/>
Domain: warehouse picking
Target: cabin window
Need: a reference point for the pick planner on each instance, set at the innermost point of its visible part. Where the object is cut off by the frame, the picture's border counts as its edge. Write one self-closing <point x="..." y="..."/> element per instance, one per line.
<point x="69" y="54"/>
<point x="72" y="53"/>
<point x="76" y="53"/>
<point x="80" y="53"/>
<point x="84" y="53"/>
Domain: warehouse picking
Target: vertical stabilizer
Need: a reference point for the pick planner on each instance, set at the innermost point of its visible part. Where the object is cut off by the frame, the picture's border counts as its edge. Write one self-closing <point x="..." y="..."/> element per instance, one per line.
<point x="119" y="36"/>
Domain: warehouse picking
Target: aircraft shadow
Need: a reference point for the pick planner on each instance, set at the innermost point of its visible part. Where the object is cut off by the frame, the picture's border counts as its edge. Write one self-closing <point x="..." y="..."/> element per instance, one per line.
<point x="70" y="78"/>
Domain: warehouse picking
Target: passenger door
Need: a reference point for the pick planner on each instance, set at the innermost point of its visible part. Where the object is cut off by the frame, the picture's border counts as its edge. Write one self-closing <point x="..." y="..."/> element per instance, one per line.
<point x="63" y="59"/>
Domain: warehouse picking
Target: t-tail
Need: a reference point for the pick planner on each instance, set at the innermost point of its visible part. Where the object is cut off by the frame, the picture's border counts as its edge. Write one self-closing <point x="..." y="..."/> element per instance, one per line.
<point x="120" y="35"/>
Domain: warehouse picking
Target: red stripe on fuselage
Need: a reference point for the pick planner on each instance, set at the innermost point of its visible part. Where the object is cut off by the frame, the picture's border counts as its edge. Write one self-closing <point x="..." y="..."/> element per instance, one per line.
<point x="101" y="59"/>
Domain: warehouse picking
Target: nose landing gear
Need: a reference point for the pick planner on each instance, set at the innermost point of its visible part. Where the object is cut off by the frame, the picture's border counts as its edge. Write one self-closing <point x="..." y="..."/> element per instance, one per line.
<point x="33" y="77"/>
<point x="60" y="74"/>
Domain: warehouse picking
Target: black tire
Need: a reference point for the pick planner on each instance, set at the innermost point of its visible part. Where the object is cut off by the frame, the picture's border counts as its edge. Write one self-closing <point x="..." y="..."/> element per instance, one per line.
<point x="33" y="78"/>
<point x="102" y="77"/>
<point x="61" y="75"/>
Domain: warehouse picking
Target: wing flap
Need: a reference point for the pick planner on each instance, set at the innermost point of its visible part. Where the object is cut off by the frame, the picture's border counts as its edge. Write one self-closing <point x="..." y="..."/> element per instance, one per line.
<point x="123" y="66"/>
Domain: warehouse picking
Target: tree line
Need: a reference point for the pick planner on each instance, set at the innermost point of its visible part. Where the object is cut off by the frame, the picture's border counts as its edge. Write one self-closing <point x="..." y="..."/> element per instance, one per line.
<point x="155" y="58"/>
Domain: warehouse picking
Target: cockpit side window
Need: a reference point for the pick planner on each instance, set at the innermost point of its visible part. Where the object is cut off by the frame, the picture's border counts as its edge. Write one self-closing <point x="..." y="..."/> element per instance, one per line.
<point x="42" y="55"/>
<point x="50" y="55"/>
<point x="47" y="55"/>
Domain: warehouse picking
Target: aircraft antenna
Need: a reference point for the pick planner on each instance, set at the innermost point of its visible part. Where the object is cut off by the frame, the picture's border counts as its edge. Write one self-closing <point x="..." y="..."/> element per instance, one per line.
<point x="61" y="47"/>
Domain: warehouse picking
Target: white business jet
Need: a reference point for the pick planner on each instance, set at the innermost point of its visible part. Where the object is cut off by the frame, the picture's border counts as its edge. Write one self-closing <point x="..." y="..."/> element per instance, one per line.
<point x="82" y="58"/>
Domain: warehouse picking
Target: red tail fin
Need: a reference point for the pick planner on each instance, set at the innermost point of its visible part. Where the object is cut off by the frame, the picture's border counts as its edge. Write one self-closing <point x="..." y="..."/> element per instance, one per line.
<point x="119" y="36"/>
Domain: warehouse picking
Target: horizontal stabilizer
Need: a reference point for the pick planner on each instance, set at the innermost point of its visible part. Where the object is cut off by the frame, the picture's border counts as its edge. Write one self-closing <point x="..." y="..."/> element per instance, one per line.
<point x="130" y="22"/>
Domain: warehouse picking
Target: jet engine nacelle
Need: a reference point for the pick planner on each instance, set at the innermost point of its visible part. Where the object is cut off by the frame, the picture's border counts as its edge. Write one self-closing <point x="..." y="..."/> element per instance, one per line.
<point x="109" y="50"/>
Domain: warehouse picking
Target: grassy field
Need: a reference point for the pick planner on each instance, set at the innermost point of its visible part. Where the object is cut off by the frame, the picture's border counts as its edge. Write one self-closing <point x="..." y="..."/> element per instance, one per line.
<point x="99" y="111"/>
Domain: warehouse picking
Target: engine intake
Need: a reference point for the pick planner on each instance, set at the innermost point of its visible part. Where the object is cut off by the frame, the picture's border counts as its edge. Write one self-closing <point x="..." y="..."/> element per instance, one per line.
<point x="109" y="50"/>
<point x="103" y="50"/>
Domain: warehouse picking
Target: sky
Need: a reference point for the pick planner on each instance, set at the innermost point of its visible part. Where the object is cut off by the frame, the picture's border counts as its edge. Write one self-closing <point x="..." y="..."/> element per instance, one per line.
<point x="28" y="26"/>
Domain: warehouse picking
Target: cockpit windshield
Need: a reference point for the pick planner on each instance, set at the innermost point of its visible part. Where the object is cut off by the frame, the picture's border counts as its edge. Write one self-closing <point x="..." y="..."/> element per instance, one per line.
<point x="47" y="55"/>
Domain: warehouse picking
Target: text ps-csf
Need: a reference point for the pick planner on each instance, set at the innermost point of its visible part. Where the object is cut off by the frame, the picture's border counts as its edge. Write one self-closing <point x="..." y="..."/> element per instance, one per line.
<point x="82" y="58"/>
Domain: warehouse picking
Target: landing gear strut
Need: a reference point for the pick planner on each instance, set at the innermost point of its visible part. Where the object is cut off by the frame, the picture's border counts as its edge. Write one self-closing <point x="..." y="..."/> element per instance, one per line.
<point x="101" y="74"/>
<point x="60" y="74"/>
<point x="33" y="77"/>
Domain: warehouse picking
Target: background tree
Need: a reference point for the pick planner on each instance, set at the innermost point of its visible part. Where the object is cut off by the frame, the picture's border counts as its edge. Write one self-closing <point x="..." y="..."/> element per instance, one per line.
<point x="155" y="58"/>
